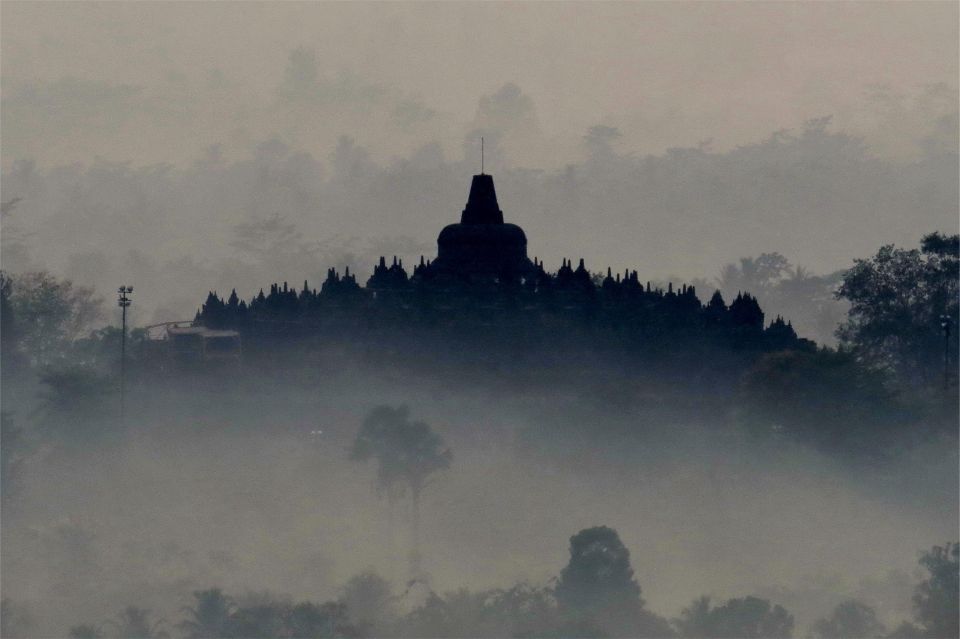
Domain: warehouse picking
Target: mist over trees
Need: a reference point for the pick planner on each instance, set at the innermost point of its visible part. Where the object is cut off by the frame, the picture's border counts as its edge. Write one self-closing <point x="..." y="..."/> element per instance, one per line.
<point x="596" y="595"/>
<point x="751" y="433"/>
<point x="839" y="401"/>
<point x="279" y="212"/>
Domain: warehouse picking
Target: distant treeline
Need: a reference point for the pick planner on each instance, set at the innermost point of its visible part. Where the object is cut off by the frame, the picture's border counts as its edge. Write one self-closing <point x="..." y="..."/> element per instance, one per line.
<point x="595" y="595"/>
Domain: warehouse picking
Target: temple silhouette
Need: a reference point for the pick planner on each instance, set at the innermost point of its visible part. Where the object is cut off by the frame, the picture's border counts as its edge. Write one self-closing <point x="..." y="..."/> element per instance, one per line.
<point x="483" y="294"/>
<point x="482" y="244"/>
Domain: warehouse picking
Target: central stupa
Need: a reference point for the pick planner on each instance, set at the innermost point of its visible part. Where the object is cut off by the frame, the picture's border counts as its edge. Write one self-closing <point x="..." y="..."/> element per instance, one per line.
<point x="482" y="244"/>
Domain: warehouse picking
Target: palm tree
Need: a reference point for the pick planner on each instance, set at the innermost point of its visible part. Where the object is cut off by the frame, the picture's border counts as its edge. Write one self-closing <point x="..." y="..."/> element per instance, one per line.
<point x="407" y="453"/>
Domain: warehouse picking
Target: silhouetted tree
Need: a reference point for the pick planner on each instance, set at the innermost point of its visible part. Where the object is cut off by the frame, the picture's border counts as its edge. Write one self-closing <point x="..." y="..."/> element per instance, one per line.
<point x="209" y="617"/>
<point x="136" y="623"/>
<point x="521" y="611"/>
<point x="51" y="313"/>
<point x="936" y="602"/>
<point x="9" y="328"/>
<point x="370" y="602"/>
<point x="264" y="619"/>
<point x="896" y="300"/>
<point x="407" y="454"/>
<point x="825" y="398"/>
<point x="746" y="618"/>
<point x="598" y="574"/>
<point x="754" y="275"/>
<point x="597" y="585"/>
<point x="849" y="620"/>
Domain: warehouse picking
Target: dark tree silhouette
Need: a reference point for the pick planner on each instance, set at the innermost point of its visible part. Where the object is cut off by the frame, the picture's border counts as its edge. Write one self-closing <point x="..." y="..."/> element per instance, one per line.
<point x="825" y="398"/>
<point x="746" y="618"/>
<point x="897" y="298"/>
<point x="936" y="602"/>
<point x="136" y="623"/>
<point x="51" y="313"/>
<point x="370" y="602"/>
<point x="209" y="617"/>
<point x="849" y="620"/>
<point x="598" y="575"/>
<point x="407" y="454"/>
<point x="259" y="620"/>
<point x="597" y="587"/>
<point x="755" y="275"/>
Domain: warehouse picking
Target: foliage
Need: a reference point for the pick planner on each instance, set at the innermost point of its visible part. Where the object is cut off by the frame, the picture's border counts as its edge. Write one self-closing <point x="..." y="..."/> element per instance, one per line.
<point x="935" y="601"/>
<point x="755" y="275"/>
<point x="584" y="603"/>
<point x="849" y="620"/>
<point x="598" y="576"/>
<point x="136" y="623"/>
<point x="521" y="611"/>
<point x="746" y="618"/>
<point x="826" y="398"/>
<point x="897" y="298"/>
<point x="209" y="617"/>
<point x="50" y="313"/>
<point x="369" y="600"/>
<point x="597" y="587"/>
<point x="9" y="326"/>
<point x="407" y="452"/>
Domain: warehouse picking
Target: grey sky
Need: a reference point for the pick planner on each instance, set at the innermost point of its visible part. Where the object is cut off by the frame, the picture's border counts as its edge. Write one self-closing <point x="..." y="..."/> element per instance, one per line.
<point x="667" y="74"/>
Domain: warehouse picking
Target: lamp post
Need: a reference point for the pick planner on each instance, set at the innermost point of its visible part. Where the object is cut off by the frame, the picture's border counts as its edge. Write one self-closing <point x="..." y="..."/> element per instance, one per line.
<point x="123" y="302"/>
<point x="945" y="323"/>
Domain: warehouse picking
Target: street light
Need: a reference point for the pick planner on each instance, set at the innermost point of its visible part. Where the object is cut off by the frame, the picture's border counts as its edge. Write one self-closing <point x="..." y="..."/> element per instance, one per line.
<point x="123" y="302"/>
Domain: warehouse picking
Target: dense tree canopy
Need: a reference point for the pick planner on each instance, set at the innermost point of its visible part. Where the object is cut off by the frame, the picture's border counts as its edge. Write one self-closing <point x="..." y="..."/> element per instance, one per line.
<point x="746" y="618"/>
<point x="936" y="602"/>
<point x="897" y="299"/>
<point x="849" y="619"/>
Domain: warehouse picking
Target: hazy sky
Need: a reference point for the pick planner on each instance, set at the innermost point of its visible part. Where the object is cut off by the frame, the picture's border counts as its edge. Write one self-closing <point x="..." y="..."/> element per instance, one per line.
<point x="177" y="77"/>
<point x="155" y="141"/>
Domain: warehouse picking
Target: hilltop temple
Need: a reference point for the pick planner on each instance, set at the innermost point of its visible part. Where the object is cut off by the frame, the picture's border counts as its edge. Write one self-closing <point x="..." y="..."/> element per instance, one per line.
<point x="483" y="287"/>
<point x="482" y="244"/>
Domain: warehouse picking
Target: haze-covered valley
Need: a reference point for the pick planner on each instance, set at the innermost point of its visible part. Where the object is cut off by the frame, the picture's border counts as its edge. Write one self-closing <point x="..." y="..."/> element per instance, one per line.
<point x="769" y="149"/>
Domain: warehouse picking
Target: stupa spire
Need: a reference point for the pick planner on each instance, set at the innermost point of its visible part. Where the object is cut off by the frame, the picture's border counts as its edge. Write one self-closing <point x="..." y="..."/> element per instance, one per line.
<point x="482" y="206"/>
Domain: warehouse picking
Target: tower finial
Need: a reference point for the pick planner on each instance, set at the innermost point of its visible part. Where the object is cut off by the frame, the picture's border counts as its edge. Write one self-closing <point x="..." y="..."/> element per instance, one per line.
<point x="481" y="155"/>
